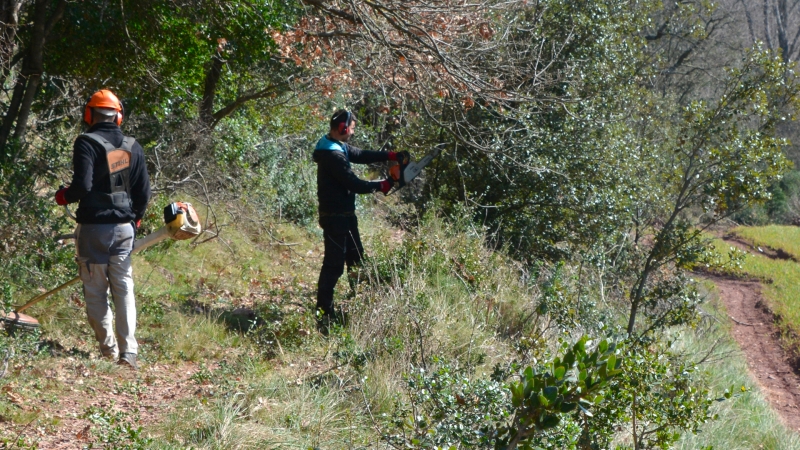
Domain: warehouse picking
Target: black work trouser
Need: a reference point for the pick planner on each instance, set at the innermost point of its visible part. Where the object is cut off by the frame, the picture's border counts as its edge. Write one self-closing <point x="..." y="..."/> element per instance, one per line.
<point x="342" y="246"/>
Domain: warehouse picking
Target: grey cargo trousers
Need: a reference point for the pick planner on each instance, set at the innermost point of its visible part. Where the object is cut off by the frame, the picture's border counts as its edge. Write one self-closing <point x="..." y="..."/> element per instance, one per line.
<point x="104" y="257"/>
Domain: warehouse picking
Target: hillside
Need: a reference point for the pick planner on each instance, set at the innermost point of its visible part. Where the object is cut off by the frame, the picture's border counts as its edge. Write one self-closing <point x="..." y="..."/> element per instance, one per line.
<point x="548" y="280"/>
<point x="231" y="357"/>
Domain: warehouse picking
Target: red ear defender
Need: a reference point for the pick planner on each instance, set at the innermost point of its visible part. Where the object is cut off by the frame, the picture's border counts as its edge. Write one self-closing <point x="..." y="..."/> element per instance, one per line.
<point x="87" y="113"/>
<point x="343" y="126"/>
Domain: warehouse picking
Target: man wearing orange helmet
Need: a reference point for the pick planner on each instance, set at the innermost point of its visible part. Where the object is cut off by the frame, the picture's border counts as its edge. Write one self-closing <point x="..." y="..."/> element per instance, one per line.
<point x="112" y="187"/>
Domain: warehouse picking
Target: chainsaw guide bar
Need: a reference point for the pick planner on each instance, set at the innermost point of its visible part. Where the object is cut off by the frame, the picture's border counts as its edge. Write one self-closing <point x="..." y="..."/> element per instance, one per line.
<point x="405" y="173"/>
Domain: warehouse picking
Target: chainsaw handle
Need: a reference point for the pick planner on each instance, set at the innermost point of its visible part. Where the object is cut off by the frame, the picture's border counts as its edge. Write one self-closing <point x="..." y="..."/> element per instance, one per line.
<point x="397" y="173"/>
<point x="394" y="172"/>
<point x="69" y="213"/>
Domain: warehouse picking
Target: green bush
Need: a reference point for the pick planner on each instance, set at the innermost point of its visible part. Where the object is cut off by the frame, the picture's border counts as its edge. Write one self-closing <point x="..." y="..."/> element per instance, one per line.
<point x="30" y="221"/>
<point x="448" y="408"/>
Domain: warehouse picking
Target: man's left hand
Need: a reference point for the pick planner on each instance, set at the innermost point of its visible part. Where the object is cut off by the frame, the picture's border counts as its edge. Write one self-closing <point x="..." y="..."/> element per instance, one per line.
<point x="401" y="157"/>
<point x="136" y="225"/>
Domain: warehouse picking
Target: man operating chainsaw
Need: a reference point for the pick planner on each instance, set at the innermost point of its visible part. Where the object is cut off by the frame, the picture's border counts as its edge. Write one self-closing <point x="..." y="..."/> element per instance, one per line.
<point x="112" y="187"/>
<point x="336" y="189"/>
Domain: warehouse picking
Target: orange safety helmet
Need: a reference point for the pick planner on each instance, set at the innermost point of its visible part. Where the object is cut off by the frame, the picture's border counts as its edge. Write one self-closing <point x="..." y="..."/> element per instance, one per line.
<point x="103" y="99"/>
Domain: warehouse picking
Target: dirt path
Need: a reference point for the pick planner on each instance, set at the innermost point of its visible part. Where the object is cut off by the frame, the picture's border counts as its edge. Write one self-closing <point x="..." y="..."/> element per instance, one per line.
<point x="142" y="398"/>
<point x="758" y="337"/>
<point x="769" y="365"/>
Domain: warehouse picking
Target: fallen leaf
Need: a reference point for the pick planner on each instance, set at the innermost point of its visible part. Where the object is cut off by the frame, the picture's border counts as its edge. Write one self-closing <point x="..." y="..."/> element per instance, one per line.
<point x="83" y="435"/>
<point x="15" y="398"/>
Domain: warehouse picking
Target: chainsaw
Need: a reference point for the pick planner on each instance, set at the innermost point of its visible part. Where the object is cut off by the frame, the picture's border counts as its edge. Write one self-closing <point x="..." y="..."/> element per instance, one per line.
<point x="404" y="172"/>
<point x="180" y="222"/>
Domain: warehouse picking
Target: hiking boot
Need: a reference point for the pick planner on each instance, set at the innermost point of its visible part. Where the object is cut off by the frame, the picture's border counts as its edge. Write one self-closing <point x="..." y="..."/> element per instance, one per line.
<point x="128" y="359"/>
<point x="324" y="324"/>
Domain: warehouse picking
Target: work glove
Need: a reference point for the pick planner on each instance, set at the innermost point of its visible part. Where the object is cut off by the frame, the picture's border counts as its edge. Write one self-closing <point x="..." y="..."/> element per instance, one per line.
<point x="136" y="225"/>
<point x="386" y="185"/>
<point x="401" y="157"/>
<point x="61" y="200"/>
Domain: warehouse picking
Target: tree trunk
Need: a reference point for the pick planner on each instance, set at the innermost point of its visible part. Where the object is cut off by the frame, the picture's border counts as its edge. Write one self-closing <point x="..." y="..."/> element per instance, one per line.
<point x="25" y="108"/>
<point x="29" y="79"/>
<point x="767" y="36"/>
<point x="11" y="114"/>
<point x="782" y="18"/>
<point x="210" y="90"/>
<point x="9" y="20"/>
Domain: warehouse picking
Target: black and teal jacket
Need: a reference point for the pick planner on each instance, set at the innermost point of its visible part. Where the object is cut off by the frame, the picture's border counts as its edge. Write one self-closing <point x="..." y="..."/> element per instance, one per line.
<point x="337" y="185"/>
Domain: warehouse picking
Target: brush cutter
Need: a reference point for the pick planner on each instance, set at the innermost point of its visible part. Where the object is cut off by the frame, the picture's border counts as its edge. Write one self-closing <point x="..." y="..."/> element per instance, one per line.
<point x="402" y="174"/>
<point x="180" y="222"/>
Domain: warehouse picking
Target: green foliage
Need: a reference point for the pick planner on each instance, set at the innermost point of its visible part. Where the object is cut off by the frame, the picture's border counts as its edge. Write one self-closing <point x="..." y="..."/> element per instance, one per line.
<point x="560" y="301"/>
<point x="783" y="206"/>
<point x="18" y="346"/>
<point x="443" y="246"/>
<point x="657" y="392"/>
<point x="572" y="383"/>
<point x="448" y="408"/>
<point x="284" y="183"/>
<point x="598" y="177"/>
<point x="115" y="429"/>
<point x="276" y="328"/>
<point x="29" y="223"/>
<point x="156" y="54"/>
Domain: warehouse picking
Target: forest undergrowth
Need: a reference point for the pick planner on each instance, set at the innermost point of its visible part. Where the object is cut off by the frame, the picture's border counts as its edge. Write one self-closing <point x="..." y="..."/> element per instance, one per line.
<point x="439" y="329"/>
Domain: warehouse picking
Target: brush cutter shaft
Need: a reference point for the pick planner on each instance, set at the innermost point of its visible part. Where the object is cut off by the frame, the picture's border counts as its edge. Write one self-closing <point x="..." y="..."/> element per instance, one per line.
<point x="139" y="245"/>
<point x="181" y="223"/>
<point x="184" y="226"/>
<point x="41" y="297"/>
<point x="151" y="239"/>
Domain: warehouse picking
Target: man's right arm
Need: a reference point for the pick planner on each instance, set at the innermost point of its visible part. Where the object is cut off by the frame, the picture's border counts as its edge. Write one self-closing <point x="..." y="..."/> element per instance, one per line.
<point x="83" y="157"/>
<point x="336" y="165"/>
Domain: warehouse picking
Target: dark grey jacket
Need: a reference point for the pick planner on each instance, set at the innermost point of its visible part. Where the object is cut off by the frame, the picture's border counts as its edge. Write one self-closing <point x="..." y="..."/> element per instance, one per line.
<point x="90" y="172"/>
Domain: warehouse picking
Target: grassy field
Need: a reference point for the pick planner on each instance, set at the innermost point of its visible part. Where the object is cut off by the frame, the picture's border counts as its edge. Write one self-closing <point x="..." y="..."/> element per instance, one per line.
<point x="782" y="277"/>
<point x="265" y="378"/>
<point x="786" y="238"/>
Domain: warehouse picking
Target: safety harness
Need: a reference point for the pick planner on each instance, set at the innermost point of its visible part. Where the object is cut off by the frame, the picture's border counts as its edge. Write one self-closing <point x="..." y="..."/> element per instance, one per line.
<point x="119" y="174"/>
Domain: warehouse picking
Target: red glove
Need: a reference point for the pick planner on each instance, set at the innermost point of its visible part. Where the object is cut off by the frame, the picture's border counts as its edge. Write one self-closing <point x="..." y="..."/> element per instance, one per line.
<point x="60" y="199"/>
<point x="386" y="185"/>
<point x="136" y="225"/>
<point x="402" y="157"/>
